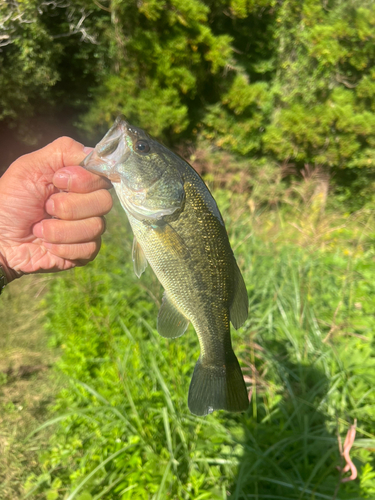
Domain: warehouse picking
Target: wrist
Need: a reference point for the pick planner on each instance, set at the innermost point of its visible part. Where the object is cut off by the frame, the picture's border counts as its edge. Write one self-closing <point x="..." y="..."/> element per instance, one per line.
<point x="10" y="274"/>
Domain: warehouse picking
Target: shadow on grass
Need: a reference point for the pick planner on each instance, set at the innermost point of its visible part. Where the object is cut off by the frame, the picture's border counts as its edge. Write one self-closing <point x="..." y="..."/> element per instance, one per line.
<point x="292" y="452"/>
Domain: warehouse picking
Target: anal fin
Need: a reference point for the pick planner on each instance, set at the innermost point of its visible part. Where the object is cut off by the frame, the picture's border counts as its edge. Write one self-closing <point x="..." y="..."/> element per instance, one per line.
<point x="139" y="258"/>
<point x="239" y="308"/>
<point x="171" y="323"/>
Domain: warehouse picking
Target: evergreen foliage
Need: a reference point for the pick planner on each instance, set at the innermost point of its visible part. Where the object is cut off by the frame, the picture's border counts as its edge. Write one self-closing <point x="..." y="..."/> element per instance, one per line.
<point x="292" y="81"/>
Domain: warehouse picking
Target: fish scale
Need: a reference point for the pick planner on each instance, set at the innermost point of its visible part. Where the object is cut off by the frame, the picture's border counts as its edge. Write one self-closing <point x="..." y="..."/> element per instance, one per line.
<point x="179" y="231"/>
<point x="187" y="289"/>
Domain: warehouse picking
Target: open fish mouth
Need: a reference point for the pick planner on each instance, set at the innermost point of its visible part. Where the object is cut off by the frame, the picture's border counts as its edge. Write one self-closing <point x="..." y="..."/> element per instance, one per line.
<point x="109" y="152"/>
<point x="130" y="158"/>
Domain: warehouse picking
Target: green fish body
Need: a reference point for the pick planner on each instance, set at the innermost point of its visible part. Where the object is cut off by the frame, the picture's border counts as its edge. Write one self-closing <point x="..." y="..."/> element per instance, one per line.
<point x="179" y="230"/>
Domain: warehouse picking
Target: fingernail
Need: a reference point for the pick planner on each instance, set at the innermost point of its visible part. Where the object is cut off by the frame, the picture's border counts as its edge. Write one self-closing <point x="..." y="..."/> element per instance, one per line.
<point x="50" y="207"/>
<point x="61" y="180"/>
<point x="87" y="150"/>
<point x="38" y="230"/>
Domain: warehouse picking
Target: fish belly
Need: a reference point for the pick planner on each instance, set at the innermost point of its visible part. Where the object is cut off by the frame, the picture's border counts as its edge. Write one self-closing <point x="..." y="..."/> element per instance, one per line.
<point x="200" y="289"/>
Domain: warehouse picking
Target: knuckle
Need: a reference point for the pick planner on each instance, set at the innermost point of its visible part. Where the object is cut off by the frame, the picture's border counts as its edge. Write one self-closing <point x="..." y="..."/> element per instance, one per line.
<point x="98" y="226"/>
<point x="81" y="262"/>
<point x="105" y="200"/>
<point x="52" y="232"/>
<point x="90" y="229"/>
<point x="93" y="249"/>
<point x="64" y="143"/>
<point x="63" y="206"/>
<point x="102" y="225"/>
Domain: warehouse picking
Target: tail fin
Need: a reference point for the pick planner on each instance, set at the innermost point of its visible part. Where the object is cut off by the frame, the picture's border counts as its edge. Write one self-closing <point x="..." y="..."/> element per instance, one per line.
<point x="217" y="387"/>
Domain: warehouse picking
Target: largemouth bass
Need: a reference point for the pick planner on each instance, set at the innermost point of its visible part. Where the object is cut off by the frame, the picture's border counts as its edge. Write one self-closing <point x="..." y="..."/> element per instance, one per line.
<point x="179" y="230"/>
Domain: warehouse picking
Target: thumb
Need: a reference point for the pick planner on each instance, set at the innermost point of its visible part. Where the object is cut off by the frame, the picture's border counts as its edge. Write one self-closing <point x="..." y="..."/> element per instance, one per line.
<point x="63" y="152"/>
<point x="43" y="163"/>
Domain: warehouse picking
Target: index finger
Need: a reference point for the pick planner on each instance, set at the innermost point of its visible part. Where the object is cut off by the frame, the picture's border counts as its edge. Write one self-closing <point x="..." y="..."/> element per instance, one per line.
<point x="79" y="180"/>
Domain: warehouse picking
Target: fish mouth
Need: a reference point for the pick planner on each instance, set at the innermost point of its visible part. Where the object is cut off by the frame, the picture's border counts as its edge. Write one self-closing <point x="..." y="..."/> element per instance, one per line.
<point x="95" y="164"/>
<point x="146" y="193"/>
<point x="109" y="152"/>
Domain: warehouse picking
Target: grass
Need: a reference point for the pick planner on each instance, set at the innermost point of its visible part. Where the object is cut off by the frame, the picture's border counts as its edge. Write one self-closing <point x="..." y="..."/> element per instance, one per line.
<point x="26" y="385"/>
<point x="122" y="430"/>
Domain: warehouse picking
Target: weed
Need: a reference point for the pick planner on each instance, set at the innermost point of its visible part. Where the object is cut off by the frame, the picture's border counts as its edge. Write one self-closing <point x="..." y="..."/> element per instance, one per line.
<point x="123" y="429"/>
<point x="26" y="387"/>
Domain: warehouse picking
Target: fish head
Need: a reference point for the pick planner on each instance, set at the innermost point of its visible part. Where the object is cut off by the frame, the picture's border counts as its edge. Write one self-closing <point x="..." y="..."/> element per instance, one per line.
<point x="142" y="170"/>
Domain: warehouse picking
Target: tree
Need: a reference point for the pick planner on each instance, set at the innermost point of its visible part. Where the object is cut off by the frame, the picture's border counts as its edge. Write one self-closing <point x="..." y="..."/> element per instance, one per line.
<point x="290" y="81"/>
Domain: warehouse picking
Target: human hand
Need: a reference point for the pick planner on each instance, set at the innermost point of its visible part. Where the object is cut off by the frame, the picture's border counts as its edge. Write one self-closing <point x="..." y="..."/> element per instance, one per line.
<point x="31" y="240"/>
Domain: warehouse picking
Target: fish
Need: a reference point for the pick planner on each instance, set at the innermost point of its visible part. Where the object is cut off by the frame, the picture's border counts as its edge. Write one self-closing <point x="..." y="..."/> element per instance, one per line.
<point x="179" y="231"/>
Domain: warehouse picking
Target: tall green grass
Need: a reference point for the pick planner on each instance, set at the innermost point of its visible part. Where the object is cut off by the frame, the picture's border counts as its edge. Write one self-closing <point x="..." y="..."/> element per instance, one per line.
<point x="122" y="427"/>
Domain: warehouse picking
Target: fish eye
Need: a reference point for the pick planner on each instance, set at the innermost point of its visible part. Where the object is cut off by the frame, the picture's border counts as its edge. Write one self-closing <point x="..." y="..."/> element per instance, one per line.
<point x="142" y="146"/>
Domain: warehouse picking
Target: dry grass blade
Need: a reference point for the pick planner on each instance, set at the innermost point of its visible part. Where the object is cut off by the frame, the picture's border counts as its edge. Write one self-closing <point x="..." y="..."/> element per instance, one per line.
<point x="345" y="452"/>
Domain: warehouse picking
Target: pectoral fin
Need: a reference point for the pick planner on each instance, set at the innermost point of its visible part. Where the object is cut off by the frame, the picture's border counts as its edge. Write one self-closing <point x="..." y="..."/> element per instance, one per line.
<point x="239" y="308"/>
<point x="171" y="323"/>
<point x="174" y="242"/>
<point x="139" y="258"/>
